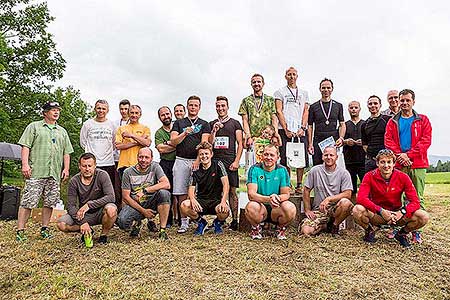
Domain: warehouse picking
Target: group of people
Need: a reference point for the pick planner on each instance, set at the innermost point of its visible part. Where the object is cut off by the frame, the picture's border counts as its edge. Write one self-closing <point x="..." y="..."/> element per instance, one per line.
<point x="119" y="183"/>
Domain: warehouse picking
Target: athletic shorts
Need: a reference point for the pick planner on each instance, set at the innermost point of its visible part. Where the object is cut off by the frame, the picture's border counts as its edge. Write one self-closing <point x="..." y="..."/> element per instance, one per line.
<point x="233" y="176"/>
<point x="34" y="188"/>
<point x="182" y="170"/>
<point x="92" y="218"/>
<point x="209" y="206"/>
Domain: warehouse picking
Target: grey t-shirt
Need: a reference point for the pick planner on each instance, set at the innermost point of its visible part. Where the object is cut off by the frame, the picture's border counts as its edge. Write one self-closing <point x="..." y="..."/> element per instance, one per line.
<point x="327" y="183"/>
<point x="137" y="181"/>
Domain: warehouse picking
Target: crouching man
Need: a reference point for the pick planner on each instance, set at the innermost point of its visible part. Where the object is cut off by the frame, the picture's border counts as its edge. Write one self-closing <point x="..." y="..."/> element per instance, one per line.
<point x="379" y="201"/>
<point x="90" y="202"/>
<point x="211" y="183"/>
<point x="145" y="193"/>
<point x="268" y="189"/>
<point x="332" y="190"/>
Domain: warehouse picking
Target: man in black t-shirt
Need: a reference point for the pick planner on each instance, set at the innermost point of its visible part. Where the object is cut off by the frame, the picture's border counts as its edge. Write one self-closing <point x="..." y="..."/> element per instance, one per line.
<point x="372" y="132"/>
<point x="353" y="150"/>
<point x="185" y="135"/>
<point x="327" y="116"/>
<point x="226" y="133"/>
<point x="211" y="183"/>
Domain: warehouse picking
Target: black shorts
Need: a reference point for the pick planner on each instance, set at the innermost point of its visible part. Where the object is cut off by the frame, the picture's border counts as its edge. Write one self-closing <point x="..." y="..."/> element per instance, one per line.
<point x="233" y="176"/>
<point x="284" y="140"/>
<point x="268" y="219"/>
<point x="208" y="206"/>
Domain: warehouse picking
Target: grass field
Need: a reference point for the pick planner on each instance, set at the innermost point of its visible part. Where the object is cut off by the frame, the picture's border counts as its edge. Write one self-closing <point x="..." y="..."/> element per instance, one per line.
<point x="230" y="266"/>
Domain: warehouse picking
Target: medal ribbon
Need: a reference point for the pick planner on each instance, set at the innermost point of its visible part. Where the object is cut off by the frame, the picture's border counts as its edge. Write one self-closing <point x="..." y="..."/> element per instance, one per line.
<point x="296" y="93"/>
<point x="327" y="116"/>
<point x="258" y="107"/>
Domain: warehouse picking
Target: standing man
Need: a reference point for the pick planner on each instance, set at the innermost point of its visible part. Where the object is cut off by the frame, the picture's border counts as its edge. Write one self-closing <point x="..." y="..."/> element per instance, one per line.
<point x="179" y="111"/>
<point x="327" y="116"/>
<point x="145" y="193"/>
<point x="45" y="148"/>
<point x="97" y="136"/>
<point x="130" y="138"/>
<point x="394" y="108"/>
<point x="372" y="132"/>
<point x="380" y="201"/>
<point x="353" y="151"/>
<point x="166" y="152"/>
<point x="332" y="192"/>
<point x="408" y="135"/>
<point x="208" y="192"/>
<point x="292" y="105"/>
<point x="124" y="108"/>
<point x="90" y="202"/>
<point x="226" y="133"/>
<point x="268" y="191"/>
<point x="186" y="134"/>
<point x="257" y="111"/>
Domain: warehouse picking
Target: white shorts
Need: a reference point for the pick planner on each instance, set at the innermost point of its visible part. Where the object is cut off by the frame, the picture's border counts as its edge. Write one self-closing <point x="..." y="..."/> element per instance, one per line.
<point x="182" y="171"/>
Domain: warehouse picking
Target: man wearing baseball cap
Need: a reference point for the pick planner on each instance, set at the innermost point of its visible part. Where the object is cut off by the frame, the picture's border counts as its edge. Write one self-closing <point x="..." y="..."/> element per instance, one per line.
<point x="45" y="148"/>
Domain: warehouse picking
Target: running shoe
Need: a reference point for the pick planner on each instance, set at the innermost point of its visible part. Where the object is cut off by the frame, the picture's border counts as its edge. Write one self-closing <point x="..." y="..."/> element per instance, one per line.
<point x="281" y="233"/>
<point x="163" y="235"/>
<point x="234" y="225"/>
<point x="135" y="228"/>
<point x="217" y="226"/>
<point x="256" y="233"/>
<point x="103" y="239"/>
<point x="20" y="236"/>
<point x="369" y="236"/>
<point x="201" y="227"/>
<point x="391" y="233"/>
<point x="45" y="233"/>
<point x="184" y="225"/>
<point x="402" y="238"/>
<point x="152" y="226"/>
<point x="416" y="237"/>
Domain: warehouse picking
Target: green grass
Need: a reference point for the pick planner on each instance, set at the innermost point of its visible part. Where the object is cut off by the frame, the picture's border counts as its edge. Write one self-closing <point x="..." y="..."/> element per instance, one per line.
<point x="438" y="178"/>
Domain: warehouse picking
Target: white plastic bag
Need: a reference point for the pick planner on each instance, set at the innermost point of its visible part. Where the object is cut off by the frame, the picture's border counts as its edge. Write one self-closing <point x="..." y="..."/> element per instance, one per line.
<point x="295" y="154"/>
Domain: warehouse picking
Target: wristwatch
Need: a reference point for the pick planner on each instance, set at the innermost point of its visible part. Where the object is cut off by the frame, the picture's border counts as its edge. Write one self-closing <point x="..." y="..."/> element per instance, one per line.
<point x="403" y="211"/>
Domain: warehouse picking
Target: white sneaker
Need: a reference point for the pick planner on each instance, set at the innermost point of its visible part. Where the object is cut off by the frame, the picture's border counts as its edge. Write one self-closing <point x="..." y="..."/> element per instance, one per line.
<point x="184" y="225"/>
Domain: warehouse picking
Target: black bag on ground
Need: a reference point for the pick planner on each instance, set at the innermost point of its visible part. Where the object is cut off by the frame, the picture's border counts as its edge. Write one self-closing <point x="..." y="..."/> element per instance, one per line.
<point x="9" y="202"/>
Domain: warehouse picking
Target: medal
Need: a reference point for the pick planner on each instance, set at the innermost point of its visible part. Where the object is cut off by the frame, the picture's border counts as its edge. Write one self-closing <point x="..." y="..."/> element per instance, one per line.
<point x="327" y="122"/>
<point x="326" y="115"/>
<point x="258" y="107"/>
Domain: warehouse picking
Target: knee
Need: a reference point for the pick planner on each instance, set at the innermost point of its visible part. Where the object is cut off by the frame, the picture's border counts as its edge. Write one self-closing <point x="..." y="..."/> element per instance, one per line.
<point x="165" y="196"/>
<point x="111" y="212"/>
<point x="62" y="226"/>
<point x="358" y="210"/>
<point x="289" y="209"/>
<point x="422" y="216"/>
<point x="252" y="208"/>
<point x="307" y="230"/>
<point x="185" y="205"/>
<point x="346" y="204"/>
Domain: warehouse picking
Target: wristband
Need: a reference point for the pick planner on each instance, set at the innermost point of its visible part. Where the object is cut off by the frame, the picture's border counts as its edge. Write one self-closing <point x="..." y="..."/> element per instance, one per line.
<point x="380" y="211"/>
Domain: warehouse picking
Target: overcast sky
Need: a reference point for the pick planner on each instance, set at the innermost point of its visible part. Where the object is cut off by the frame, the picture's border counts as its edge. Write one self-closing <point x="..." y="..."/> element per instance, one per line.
<point x="158" y="53"/>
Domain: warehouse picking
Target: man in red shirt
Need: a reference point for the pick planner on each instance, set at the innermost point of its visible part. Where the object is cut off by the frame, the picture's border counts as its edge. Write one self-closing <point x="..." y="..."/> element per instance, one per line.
<point x="379" y="201"/>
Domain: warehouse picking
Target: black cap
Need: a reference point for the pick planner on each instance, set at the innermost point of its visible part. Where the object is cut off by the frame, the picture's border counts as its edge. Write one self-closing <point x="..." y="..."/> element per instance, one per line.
<point x="49" y="105"/>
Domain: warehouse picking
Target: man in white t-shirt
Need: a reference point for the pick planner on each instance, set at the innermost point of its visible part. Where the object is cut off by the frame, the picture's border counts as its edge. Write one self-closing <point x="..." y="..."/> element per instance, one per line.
<point x="292" y="105"/>
<point x="97" y="136"/>
<point x="332" y="193"/>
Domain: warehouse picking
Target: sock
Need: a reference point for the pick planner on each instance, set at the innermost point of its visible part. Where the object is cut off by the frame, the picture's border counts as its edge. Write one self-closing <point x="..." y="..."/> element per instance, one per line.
<point x="161" y="229"/>
<point x="44" y="228"/>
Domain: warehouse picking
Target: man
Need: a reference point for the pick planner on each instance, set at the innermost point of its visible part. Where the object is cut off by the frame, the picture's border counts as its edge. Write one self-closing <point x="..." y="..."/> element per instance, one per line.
<point x="145" y="193"/>
<point x="292" y="105"/>
<point x="257" y="111"/>
<point x="90" y="202"/>
<point x="380" y="201"/>
<point x="179" y="111"/>
<point x="166" y="152"/>
<point x="408" y="135"/>
<point x="353" y="151"/>
<point x="45" y="148"/>
<point x="186" y="134"/>
<point x="394" y="107"/>
<point x="226" y="133"/>
<point x="124" y="109"/>
<point x="268" y="191"/>
<point x="130" y="138"/>
<point x="332" y="192"/>
<point x="211" y="183"/>
<point x="372" y="132"/>
<point x="97" y="136"/>
<point x="327" y="116"/>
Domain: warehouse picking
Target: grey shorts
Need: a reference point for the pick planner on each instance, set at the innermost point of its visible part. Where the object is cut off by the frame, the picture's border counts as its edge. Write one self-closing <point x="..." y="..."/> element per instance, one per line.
<point x="182" y="170"/>
<point x="94" y="218"/>
<point x="34" y="188"/>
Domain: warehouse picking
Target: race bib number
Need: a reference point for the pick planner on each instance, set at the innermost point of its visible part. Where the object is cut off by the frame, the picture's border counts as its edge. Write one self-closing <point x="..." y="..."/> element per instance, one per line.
<point x="221" y="142"/>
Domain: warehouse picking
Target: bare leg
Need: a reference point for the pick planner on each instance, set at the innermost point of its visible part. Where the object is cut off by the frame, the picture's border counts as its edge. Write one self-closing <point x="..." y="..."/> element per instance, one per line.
<point x="187" y="211"/>
<point x="284" y="214"/>
<point x="68" y="228"/>
<point x="46" y="215"/>
<point x="343" y="209"/>
<point x="163" y="210"/>
<point x="24" y="214"/>
<point x="300" y="176"/>
<point x="234" y="203"/>
<point x="255" y="212"/>
<point x="108" y="219"/>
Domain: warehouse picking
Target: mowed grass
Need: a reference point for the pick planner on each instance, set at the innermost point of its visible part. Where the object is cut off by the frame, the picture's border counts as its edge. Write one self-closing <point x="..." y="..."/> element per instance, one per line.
<point x="230" y="266"/>
<point x="438" y="178"/>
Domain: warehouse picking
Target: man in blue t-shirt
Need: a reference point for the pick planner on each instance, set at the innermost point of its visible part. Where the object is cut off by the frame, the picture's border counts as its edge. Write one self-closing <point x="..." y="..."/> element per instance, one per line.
<point x="268" y="191"/>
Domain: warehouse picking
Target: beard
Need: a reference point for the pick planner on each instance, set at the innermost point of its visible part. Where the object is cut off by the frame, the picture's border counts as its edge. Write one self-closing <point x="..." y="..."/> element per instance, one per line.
<point x="166" y="122"/>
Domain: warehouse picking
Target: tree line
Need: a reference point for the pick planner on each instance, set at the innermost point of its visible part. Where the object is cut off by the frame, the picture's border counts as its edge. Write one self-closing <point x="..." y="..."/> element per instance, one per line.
<point x="440" y="167"/>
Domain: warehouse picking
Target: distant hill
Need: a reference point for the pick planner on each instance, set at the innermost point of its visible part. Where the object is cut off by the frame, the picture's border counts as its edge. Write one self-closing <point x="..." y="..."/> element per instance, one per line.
<point x="433" y="159"/>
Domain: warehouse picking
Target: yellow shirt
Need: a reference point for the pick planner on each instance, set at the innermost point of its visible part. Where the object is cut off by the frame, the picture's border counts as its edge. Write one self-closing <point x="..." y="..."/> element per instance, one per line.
<point x="128" y="157"/>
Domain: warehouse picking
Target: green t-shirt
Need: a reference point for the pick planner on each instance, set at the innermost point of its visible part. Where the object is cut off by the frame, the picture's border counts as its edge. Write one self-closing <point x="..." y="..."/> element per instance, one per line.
<point x="48" y="144"/>
<point x="257" y="119"/>
<point x="268" y="182"/>
<point x="162" y="136"/>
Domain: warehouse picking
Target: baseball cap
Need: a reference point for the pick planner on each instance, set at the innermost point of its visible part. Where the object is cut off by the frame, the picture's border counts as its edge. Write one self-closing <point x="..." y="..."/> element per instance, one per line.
<point x="49" y="105"/>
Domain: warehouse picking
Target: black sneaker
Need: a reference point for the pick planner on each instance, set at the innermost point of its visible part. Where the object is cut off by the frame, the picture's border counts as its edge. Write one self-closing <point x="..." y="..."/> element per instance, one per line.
<point x="135" y="228"/>
<point x="103" y="239"/>
<point x="369" y="237"/>
<point x="402" y="238"/>
<point x="234" y="225"/>
<point x="152" y="226"/>
<point x="163" y="235"/>
<point x="330" y="225"/>
<point x="334" y="230"/>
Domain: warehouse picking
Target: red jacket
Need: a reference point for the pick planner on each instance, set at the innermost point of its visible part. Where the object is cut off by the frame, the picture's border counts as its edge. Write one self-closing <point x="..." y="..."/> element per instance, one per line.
<point x="374" y="193"/>
<point x="420" y="139"/>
